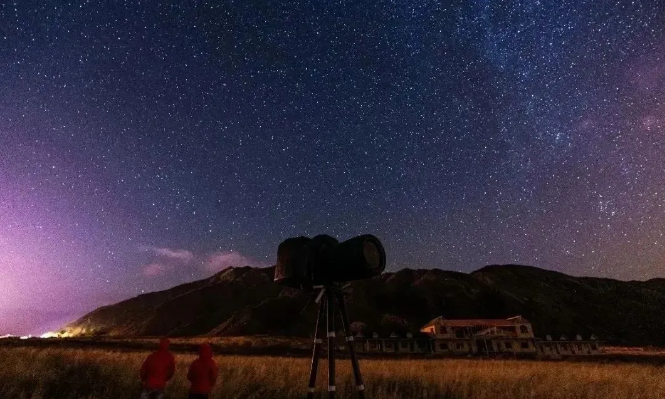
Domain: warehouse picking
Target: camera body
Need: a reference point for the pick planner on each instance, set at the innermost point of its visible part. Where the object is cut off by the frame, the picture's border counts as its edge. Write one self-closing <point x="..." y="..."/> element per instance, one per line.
<point x="304" y="262"/>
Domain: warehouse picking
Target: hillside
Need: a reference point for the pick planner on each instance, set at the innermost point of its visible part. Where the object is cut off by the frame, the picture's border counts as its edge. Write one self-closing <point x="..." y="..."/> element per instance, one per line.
<point x="245" y="301"/>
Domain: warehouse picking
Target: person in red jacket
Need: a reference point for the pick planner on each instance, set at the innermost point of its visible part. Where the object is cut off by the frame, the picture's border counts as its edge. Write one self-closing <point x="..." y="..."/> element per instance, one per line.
<point x="202" y="374"/>
<point x="156" y="371"/>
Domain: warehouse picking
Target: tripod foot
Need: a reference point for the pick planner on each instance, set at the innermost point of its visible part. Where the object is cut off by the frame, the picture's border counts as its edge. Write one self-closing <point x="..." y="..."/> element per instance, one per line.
<point x="316" y="351"/>
<point x="360" y="386"/>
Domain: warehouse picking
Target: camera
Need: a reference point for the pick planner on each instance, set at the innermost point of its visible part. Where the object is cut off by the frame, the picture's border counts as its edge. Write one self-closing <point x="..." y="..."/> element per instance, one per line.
<point x="304" y="262"/>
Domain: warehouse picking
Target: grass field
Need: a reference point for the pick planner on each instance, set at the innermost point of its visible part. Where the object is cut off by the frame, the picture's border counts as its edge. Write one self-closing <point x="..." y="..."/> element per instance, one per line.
<point x="50" y="373"/>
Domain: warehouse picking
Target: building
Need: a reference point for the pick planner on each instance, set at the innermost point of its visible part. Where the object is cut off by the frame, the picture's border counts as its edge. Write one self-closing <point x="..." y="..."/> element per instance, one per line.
<point x="481" y="337"/>
<point x="393" y="344"/>
<point x="556" y="349"/>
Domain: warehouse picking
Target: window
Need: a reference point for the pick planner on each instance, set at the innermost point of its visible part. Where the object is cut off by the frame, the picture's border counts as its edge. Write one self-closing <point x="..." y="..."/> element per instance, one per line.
<point x="594" y="347"/>
<point x="374" y="345"/>
<point x="404" y="345"/>
<point x="459" y="333"/>
<point x="525" y="345"/>
<point x="460" y="346"/>
<point x="443" y="346"/>
<point x="524" y="329"/>
<point x="508" y="345"/>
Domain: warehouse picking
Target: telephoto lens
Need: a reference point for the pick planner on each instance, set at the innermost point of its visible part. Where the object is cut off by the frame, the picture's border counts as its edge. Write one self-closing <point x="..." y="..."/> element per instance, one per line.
<point x="303" y="262"/>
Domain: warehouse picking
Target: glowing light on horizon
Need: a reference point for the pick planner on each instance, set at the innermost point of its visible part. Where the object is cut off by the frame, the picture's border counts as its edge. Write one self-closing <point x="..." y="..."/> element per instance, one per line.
<point x="52" y="334"/>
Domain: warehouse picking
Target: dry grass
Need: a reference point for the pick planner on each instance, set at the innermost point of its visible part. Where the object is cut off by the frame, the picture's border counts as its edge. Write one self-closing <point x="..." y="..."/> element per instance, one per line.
<point x="60" y="373"/>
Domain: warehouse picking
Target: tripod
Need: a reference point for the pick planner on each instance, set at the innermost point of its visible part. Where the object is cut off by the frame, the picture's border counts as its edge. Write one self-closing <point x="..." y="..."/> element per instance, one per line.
<point x="326" y="300"/>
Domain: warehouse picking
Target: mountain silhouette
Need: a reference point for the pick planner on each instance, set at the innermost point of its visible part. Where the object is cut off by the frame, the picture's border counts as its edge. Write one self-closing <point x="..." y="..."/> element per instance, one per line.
<point x="246" y="301"/>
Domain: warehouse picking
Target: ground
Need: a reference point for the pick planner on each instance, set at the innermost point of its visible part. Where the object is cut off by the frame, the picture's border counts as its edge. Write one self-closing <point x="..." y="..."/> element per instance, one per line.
<point x="46" y="372"/>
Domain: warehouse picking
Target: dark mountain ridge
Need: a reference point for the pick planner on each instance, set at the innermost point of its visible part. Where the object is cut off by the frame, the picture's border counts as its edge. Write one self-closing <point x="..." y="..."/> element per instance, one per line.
<point x="246" y="301"/>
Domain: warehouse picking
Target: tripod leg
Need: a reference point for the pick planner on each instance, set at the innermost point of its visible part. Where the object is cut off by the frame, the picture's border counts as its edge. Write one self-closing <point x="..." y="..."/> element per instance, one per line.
<point x="316" y="352"/>
<point x="330" y="309"/>
<point x="349" y="341"/>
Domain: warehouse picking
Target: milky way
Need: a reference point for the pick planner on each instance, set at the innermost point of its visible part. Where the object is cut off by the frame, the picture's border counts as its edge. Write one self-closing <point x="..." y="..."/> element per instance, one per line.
<point x="146" y="145"/>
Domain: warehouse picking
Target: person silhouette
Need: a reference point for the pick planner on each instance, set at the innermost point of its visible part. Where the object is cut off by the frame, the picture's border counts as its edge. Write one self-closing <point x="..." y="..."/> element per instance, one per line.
<point x="202" y="373"/>
<point x="157" y="369"/>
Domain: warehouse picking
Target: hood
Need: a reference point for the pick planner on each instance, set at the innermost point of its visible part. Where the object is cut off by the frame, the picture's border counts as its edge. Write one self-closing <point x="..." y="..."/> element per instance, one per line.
<point x="205" y="351"/>
<point x="164" y="344"/>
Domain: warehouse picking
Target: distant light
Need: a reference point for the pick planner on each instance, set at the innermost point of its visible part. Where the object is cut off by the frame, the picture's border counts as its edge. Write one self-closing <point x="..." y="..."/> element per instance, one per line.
<point x="6" y="336"/>
<point x="49" y="335"/>
<point x="26" y="337"/>
<point x="52" y="334"/>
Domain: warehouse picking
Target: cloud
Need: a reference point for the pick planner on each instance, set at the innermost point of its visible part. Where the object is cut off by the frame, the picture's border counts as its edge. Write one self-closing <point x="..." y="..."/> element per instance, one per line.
<point x="218" y="261"/>
<point x="153" y="269"/>
<point x="168" y="260"/>
<point x="176" y="254"/>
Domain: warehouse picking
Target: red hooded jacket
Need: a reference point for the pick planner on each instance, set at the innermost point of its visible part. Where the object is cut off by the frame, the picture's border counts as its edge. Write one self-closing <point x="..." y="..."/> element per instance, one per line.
<point x="203" y="372"/>
<point x="158" y="367"/>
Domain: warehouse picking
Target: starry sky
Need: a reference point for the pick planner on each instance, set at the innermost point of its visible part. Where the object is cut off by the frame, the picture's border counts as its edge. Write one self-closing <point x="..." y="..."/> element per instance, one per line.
<point x="143" y="145"/>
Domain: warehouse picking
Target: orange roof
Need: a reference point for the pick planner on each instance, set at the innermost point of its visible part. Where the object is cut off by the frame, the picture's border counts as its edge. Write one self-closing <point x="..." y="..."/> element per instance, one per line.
<point x="511" y="321"/>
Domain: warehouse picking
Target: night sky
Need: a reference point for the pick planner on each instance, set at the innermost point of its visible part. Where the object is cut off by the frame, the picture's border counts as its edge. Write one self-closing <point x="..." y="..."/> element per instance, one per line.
<point x="146" y="145"/>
